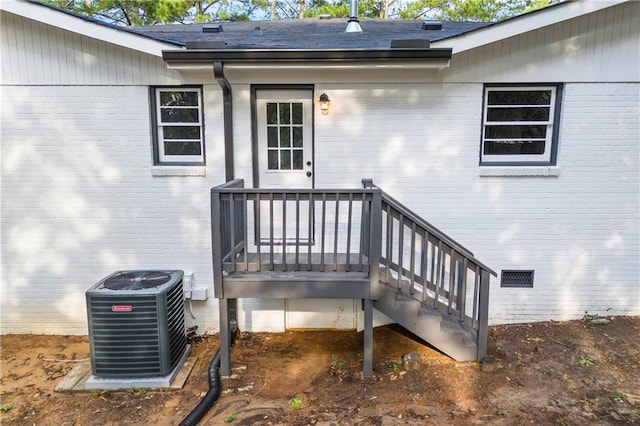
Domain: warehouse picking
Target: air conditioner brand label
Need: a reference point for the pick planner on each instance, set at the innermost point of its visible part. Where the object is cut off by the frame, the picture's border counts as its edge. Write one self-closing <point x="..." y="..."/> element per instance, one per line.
<point x="121" y="308"/>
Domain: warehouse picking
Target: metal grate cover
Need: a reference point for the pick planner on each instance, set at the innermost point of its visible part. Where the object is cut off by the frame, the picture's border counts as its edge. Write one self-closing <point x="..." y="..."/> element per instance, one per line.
<point x="517" y="279"/>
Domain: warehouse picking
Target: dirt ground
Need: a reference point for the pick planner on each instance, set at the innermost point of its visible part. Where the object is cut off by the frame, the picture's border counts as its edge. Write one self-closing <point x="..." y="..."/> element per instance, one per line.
<point x="566" y="373"/>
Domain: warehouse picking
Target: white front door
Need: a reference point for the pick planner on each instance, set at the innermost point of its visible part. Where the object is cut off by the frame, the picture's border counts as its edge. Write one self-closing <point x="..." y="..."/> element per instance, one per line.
<point x="285" y="138"/>
<point x="285" y="160"/>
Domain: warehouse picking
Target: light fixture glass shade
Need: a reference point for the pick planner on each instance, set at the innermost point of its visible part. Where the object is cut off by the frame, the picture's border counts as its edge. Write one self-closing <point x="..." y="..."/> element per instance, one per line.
<point x="324" y="103"/>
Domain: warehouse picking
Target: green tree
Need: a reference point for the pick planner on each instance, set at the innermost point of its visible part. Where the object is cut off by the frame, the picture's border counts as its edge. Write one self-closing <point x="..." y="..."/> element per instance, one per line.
<point x="152" y="12"/>
<point x="470" y="10"/>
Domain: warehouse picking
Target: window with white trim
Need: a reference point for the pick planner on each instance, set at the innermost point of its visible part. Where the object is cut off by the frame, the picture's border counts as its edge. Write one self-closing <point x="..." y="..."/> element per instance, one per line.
<point x="179" y="132"/>
<point x="520" y="125"/>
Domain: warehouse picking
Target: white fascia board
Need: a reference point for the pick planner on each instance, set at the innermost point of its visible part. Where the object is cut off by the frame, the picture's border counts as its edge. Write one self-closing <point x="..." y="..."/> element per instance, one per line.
<point x="48" y="16"/>
<point x="524" y="23"/>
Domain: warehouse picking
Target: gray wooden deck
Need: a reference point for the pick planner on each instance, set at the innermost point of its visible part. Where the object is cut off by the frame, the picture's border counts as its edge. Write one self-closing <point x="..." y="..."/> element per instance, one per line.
<point x="347" y="243"/>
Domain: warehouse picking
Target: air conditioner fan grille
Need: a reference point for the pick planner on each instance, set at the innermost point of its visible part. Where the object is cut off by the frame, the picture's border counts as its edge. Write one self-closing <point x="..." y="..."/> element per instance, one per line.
<point x="137" y="280"/>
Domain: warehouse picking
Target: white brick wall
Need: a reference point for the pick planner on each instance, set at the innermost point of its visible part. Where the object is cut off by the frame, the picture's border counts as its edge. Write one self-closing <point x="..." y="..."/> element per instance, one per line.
<point x="79" y="202"/>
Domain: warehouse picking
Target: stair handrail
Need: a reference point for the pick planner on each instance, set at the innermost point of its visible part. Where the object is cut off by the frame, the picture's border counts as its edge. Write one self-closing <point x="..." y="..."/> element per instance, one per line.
<point x="433" y="230"/>
<point x="479" y="317"/>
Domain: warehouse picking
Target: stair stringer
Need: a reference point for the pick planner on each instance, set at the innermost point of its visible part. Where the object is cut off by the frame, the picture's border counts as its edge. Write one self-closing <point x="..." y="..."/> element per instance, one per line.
<point x="433" y="326"/>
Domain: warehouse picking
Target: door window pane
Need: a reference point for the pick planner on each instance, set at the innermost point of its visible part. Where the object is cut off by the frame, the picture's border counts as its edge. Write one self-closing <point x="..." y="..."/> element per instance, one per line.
<point x="298" y="160"/>
<point x="272" y="159"/>
<point x="297" y="137"/>
<point x="285" y="113"/>
<point x="272" y="137"/>
<point x="285" y="160"/>
<point x="296" y="116"/>
<point x="272" y="113"/>
<point x="285" y="137"/>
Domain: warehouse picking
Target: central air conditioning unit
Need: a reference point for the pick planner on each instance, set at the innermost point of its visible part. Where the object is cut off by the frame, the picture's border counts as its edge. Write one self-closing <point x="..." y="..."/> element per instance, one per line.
<point x="136" y="324"/>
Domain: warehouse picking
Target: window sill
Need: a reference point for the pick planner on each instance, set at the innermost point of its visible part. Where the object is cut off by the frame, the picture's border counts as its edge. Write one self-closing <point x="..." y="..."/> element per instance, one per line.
<point x="542" y="171"/>
<point x="178" y="171"/>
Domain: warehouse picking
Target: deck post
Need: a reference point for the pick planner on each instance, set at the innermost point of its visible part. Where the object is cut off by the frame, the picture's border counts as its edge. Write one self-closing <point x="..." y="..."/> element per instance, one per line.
<point x="367" y="367"/>
<point x="483" y="314"/>
<point x="375" y="243"/>
<point x="225" y="338"/>
<point x="216" y="243"/>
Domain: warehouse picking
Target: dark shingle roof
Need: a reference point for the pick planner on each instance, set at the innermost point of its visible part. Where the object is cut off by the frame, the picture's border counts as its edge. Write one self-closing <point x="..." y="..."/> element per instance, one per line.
<point x="306" y="33"/>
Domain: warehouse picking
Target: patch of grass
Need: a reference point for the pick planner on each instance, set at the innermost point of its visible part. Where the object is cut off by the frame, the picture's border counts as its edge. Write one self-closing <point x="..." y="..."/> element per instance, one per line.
<point x="499" y="365"/>
<point x="231" y="417"/>
<point x="586" y="362"/>
<point x="100" y="393"/>
<point x="335" y="362"/>
<point x="336" y="365"/>
<point x="295" y="402"/>
<point x="396" y="366"/>
<point x="438" y="392"/>
<point x="6" y="408"/>
<point x="618" y="397"/>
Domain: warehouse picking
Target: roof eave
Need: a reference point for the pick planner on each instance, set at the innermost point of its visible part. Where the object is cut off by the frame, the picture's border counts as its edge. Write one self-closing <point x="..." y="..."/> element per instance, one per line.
<point x="524" y="23"/>
<point x="86" y="27"/>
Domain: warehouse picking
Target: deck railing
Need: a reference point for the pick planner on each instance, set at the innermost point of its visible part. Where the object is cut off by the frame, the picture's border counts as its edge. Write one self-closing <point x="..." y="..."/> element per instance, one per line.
<point x="316" y="230"/>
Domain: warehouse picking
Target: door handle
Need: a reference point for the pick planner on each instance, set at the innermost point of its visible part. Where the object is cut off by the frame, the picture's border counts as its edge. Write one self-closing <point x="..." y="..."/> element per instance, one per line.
<point x="308" y="174"/>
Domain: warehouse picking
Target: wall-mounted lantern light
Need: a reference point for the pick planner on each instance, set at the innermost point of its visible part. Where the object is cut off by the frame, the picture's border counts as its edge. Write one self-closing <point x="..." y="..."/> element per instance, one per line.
<point x="324" y="104"/>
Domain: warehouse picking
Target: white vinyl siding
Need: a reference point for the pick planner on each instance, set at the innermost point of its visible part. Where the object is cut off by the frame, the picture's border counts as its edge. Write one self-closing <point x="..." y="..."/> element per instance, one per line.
<point x="180" y="136"/>
<point x="38" y="54"/>
<point x="518" y="125"/>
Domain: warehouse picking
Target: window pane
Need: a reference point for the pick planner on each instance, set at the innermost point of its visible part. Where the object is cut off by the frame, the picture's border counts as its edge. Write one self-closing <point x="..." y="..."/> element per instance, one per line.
<point x="513" y="147"/>
<point x="272" y="137"/>
<point x="296" y="116"/>
<point x="285" y="137"/>
<point x="272" y="113"/>
<point x="272" y="159"/>
<point x="518" y="114"/>
<point x="285" y="113"/>
<point x="182" y="148"/>
<point x="179" y="98"/>
<point x="515" y="132"/>
<point x="179" y="115"/>
<point x="298" y="162"/>
<point x="516" y="97"/>
<point x="181" y="132"/>
<point x="297" y="137"/>
<point x="285" y="159"/>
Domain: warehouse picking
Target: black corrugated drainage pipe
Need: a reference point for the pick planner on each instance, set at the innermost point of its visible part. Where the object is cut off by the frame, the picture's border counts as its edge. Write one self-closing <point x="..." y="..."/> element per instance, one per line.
<point x="212" y="394"/>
